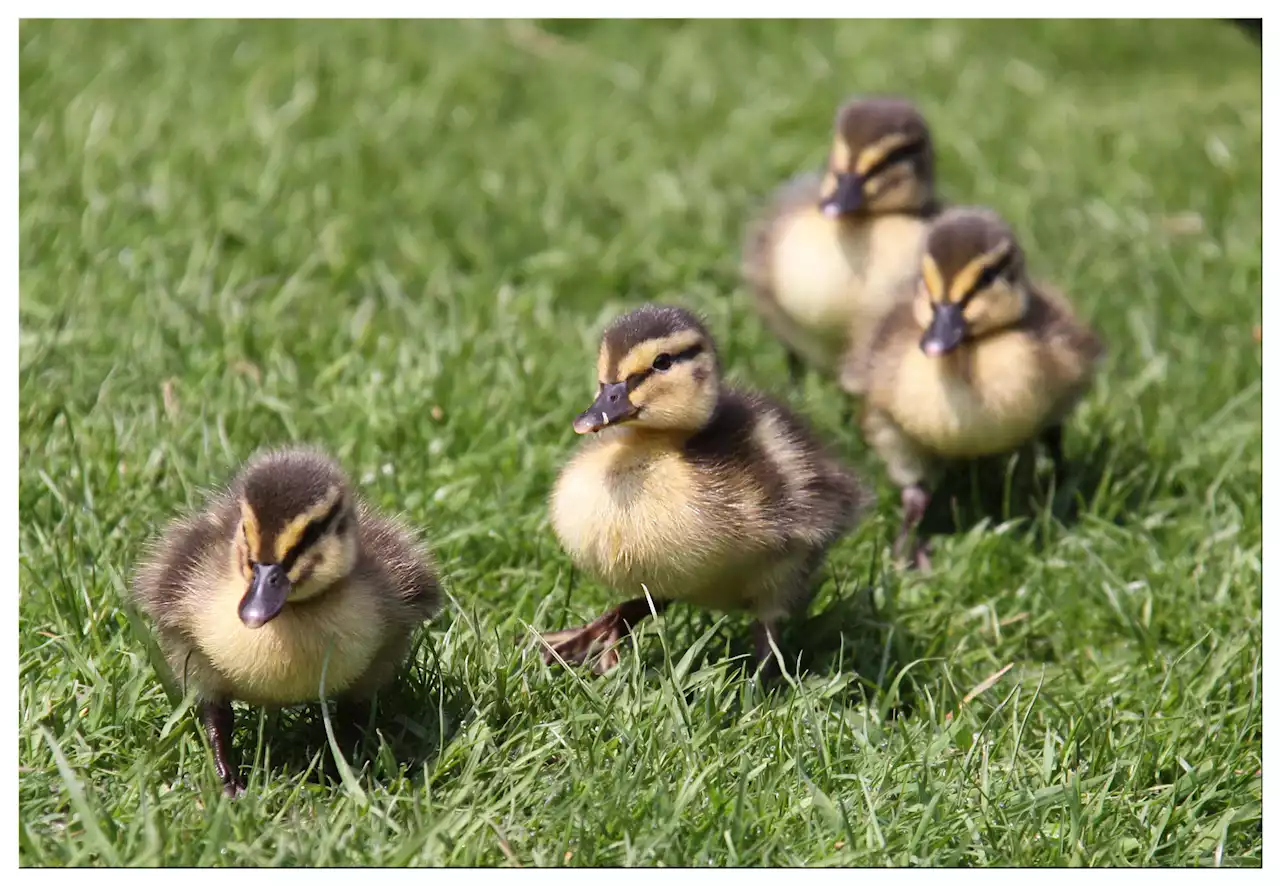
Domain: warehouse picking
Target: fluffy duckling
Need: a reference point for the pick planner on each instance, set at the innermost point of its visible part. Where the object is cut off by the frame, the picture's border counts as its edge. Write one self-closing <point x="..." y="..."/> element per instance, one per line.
<point x="283" y="568"/>
<point x="691" y="490"/>
<point x="827" y="258"/>
<point x="981" y="361"/>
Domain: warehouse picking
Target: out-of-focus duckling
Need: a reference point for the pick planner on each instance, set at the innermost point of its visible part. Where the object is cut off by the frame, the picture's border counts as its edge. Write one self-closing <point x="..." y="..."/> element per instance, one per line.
<point x="827" y="258"/>
<point x="981" y="361"/>
<point x="691" y="490"/>
<point x="285" y="568"/>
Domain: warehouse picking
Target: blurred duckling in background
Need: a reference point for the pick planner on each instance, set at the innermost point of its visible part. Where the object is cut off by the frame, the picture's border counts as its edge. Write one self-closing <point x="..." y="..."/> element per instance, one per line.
<point x="981" y="361"/>
<point x="827" y="259"/>
<point x="282" y="570"/>
<point x="691" y="491"/>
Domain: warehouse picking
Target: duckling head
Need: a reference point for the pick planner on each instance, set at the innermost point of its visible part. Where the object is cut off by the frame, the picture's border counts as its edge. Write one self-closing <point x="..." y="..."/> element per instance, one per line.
<point x="972" y="280"/>
<point x="296" y="537"/>
<point x="881" y="160"/>
<point x="657" y="371"/>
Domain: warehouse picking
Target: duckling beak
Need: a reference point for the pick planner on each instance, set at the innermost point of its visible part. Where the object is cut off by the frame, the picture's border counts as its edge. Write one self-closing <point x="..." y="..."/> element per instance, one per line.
<point x="611" y="407"/>
<point x="846" y="198"/>
<point x="945" y="332"/>
<point x="266" y="595"/>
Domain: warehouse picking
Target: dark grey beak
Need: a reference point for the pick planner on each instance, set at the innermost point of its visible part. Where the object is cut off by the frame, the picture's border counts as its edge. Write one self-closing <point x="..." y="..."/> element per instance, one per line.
<point x="946" y="331"/>
<point x="611" y="407"/>
<point x="848" y="196"/>
<point x="266" y="595"/>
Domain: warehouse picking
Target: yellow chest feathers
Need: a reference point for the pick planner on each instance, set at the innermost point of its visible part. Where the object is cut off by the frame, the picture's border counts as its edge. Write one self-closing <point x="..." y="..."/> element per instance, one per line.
<point x="281" y="662"/>
<point x="828" y="274"/>
<point x="632" y="513"/>
<point x="998" y="405"/>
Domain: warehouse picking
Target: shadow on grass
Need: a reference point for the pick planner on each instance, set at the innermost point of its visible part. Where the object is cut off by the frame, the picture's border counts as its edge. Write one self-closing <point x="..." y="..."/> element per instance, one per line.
<point x="403" y="728"/>
<point x="843" y="633"/>
<point x="847" y="632"/>
<point x="1015" y="487"/>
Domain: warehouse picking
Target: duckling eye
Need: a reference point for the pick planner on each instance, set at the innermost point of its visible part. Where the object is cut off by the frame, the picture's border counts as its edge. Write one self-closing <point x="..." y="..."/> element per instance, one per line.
<point x="989" y="276"/>
<point x="987" y="279"/>
<point x="895" y="156"/>
<point x="662" y="362"/>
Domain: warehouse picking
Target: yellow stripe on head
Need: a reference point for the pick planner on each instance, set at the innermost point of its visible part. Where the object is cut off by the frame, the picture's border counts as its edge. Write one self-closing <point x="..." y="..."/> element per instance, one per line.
<point x="252" y="535"/>
<point x="840" y="155"/>
<point x="962" y="282"/>
<point x="932" y="278"/>
<point x="291" y="533"/>
<point x="877" y="151"/>
<point x="602" y="362"/>
<point x="641" y="357"/>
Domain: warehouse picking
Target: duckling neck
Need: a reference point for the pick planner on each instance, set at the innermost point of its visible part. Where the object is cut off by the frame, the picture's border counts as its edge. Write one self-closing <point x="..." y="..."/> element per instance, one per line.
<point x="926" y="209"/>
<point x="930" y="207"/>
<point x="651" y="438"/>
<point x="958" y="362"/>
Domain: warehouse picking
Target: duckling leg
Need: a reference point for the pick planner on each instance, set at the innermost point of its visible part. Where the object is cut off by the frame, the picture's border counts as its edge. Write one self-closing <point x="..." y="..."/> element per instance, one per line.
<point x="763" y="632"/>
<point x="575" y="645"/>
<point x="353" y="716"/>
<point x="795" y="368"/>
<point x="915" y="501"/>
<point x="219" y="723"/>
<point x="1052" y="440"/>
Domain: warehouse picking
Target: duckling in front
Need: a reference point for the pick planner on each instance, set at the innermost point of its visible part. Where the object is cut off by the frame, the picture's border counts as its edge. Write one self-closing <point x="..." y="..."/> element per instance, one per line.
<point x="284" y="579"/>
<point x="980" y="362"/>
<point x="827" y="258"/>
<point x="691" y="491"/>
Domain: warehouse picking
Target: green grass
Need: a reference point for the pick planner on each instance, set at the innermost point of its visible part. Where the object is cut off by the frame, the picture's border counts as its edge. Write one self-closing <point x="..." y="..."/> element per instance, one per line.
<point x="401" y="240"/>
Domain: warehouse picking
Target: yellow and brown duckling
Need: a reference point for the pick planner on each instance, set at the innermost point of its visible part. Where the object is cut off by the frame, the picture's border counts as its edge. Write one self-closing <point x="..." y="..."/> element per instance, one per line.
<point x="282" y="570"/>
<point x="980" y="361"/>
<point x="827" y="259"/>
<point x="690" y="490"/>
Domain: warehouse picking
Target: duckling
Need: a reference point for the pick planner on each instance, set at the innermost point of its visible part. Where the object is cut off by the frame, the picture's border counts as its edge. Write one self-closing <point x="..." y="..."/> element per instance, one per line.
<point x="981" y="361"/>
<point x="826" y="258"/>
<point x="281" y="570"/>
<point x="691" y="491"/>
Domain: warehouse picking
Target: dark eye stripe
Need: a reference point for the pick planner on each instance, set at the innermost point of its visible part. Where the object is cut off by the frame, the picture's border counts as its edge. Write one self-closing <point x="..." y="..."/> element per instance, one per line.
<point x="315" y="529"/>
<point x="988" y="276"/>
<point x="897" y="155"/>
<point x="635" y="379"/>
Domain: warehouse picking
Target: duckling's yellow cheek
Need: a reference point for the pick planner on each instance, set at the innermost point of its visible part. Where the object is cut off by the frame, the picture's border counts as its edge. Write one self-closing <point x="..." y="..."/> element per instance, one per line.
<point x="975" y="314"/>
<point x="318" y="569"/>
<point x="996" y="308"/>
<point x="305" y="570"/>
<point x="891" y="191"/>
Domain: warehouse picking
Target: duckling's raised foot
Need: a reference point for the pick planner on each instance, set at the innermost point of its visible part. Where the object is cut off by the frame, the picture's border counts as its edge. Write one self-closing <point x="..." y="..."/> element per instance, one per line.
<point x="576" y="645"/>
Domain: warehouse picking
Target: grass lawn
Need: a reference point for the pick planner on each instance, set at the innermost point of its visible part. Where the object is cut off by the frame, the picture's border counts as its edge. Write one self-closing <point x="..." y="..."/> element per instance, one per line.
<point x="402" y="240"/>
